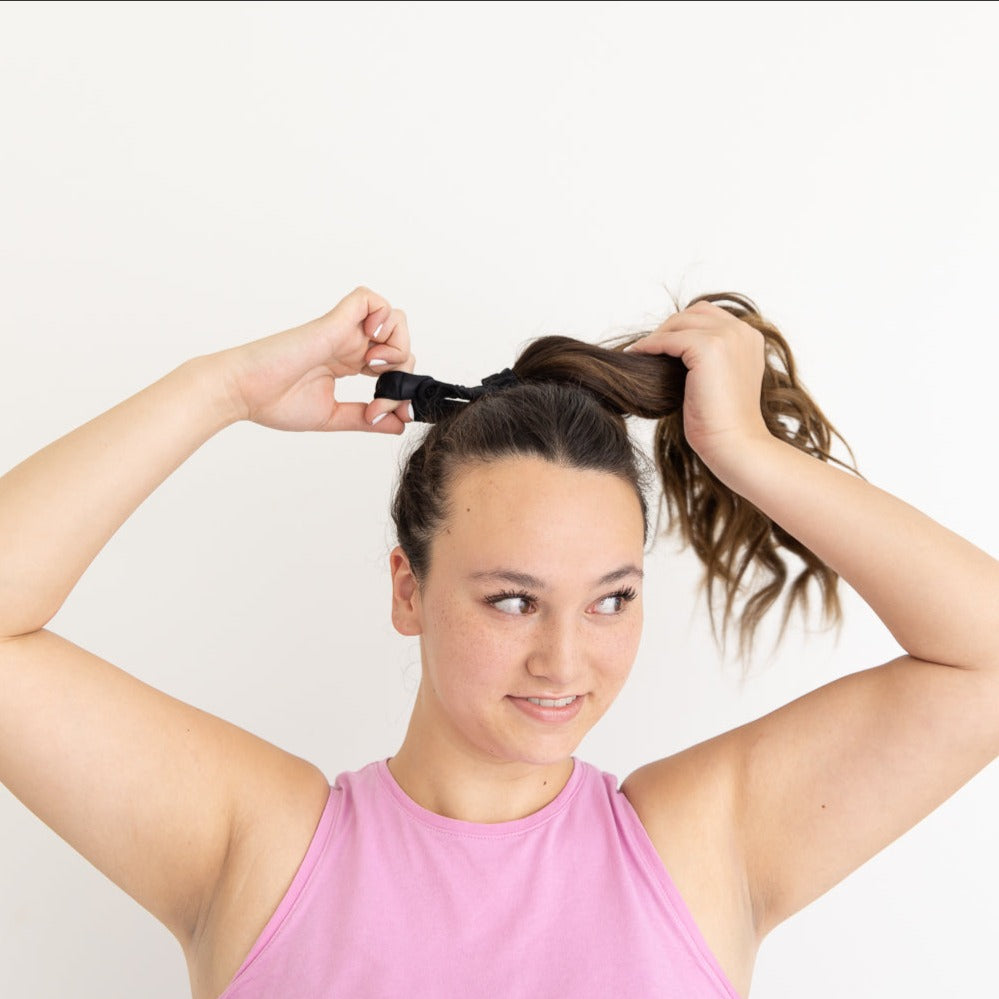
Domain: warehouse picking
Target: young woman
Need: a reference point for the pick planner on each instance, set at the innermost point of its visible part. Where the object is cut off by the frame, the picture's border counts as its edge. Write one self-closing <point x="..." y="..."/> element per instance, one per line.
<point x="483" y="859"/>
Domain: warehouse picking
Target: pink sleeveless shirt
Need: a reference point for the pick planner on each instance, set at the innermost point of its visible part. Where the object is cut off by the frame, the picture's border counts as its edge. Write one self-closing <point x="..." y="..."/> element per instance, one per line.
<point x="396" y="902"/>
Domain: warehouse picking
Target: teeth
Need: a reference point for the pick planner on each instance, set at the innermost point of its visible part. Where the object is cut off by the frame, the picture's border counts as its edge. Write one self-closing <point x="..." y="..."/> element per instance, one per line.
<point x="546" y="703"/>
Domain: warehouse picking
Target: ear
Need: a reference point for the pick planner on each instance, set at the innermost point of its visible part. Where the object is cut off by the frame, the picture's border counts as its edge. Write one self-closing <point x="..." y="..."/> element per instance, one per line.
<point x="405" y="595"/>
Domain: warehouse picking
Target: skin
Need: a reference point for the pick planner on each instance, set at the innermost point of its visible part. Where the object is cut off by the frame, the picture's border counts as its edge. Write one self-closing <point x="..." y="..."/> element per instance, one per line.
<point x="205" y="825"/>
<point x="466" y="736"/>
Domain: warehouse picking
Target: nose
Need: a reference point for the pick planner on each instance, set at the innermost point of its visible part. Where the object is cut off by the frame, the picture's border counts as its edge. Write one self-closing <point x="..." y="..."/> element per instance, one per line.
<point x="558" y="654"/>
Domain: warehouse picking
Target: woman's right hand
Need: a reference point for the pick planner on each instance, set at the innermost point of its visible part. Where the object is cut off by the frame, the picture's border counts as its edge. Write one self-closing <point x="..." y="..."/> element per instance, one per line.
<point x="287" y="381"/>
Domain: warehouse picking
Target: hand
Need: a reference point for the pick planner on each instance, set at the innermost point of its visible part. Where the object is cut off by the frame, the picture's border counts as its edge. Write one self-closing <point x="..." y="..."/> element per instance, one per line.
<point x="287" y="381"/>
<point x="724" y="357"/>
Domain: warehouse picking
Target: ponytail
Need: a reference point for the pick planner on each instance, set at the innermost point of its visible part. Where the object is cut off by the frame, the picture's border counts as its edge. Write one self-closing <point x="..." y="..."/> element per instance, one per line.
<point x="742" y="550"/>
<point x="569" y="404"/>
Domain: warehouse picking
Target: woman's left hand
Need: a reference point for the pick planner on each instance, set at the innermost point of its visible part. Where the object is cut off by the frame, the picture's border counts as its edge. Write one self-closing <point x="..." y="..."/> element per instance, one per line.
<point x="724" y="358"/>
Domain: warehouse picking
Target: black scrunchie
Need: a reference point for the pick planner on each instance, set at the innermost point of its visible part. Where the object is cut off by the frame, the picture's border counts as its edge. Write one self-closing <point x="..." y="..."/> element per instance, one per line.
<point x="432" y="399"/>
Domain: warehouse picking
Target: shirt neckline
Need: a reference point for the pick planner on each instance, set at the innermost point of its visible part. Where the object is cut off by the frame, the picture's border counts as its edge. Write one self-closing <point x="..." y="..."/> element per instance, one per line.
<point x="480" y="830"/>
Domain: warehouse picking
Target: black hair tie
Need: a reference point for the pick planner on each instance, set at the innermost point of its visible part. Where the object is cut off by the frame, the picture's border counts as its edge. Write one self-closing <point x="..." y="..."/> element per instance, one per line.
<point x="433" y="400"/>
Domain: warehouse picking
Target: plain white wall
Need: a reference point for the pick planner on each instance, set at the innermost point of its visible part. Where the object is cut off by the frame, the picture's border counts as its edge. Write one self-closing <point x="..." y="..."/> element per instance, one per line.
<point x="176" y="178"/>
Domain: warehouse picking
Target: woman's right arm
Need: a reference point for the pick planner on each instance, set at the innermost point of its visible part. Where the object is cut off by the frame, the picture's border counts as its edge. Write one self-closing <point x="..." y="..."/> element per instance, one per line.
<point x="150" y="790"/>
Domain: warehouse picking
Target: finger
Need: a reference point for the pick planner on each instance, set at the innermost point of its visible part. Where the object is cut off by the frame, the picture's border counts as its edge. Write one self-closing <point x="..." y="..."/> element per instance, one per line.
<point x="402" y="408"/>
<point x="690" y="319"/>
<point x="383" y="357"/>
<point x="675" y="343"/>
<point x="374" y="324"/>
<point x="368" y="310"/>
<point x="377" y="409"/>
<point x="652" y="342"/>
<point x="395" y="331"/>
<point x="677" y="323"/>
<point x="379" y="323"/>
<point x="351" y="416"/>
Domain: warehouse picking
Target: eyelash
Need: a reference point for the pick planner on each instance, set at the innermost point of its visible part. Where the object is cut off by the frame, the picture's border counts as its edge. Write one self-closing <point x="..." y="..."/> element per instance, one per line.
<point x="627" y="595"/>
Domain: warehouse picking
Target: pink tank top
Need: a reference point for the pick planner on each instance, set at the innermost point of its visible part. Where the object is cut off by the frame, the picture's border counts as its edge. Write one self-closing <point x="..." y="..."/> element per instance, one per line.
<point x="396" y="901"/>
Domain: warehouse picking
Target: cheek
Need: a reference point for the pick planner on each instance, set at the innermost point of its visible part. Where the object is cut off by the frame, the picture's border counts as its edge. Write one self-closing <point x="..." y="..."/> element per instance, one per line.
<point x="463" y="653"/>
<point x="621" y="650"/>
<point x="450" y="630"/>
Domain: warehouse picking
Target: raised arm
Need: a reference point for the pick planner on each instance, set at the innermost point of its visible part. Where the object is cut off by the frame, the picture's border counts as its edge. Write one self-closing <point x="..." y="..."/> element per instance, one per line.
<point x="819" y="786"/>
<point x="151" y="790"/>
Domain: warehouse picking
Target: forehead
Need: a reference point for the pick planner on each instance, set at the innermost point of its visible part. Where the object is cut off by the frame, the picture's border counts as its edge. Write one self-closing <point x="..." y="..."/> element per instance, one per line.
<point x="540" y="517"/>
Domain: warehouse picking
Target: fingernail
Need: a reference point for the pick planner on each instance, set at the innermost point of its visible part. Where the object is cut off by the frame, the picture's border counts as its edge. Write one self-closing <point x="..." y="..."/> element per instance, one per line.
<point x="374" y="336"/>
<point x="376" y="362"/>
<point x="412" y="415"/>
<point x="380" y="416"/>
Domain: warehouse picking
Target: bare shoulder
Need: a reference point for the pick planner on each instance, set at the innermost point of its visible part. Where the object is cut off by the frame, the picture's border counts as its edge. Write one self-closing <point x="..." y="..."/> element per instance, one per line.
<point x="273" y="826"/>
<point x="686" y="802"/>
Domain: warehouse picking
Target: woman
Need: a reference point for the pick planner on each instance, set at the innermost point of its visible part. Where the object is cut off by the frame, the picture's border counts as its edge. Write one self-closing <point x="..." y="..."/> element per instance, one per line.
<point x="483" y="858"/>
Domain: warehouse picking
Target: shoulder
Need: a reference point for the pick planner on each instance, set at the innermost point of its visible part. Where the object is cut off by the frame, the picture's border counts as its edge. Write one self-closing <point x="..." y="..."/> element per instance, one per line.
<point x="687" y="804"/>
<point x="271" y="835"/>
<point x="694" y="787"/>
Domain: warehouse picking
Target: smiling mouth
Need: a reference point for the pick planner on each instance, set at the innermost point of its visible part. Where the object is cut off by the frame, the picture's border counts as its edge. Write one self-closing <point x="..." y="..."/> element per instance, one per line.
<point x="551" y="710"/>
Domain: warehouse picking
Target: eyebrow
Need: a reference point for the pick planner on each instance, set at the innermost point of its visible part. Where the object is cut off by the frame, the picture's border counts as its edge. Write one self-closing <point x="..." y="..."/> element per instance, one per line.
<point x="527" y="580"/>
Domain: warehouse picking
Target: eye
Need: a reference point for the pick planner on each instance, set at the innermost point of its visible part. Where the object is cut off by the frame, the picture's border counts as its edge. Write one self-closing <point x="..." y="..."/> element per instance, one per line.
<point x="511" y="603"/>
<point x="614" y="603"/>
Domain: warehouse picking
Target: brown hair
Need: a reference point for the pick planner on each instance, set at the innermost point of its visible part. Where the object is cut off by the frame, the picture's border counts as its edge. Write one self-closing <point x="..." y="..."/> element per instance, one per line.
<point x="571" y="407"/>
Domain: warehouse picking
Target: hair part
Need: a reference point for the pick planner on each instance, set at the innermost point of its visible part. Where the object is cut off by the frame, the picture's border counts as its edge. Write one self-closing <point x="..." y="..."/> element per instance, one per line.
<point x="571" y="408"/>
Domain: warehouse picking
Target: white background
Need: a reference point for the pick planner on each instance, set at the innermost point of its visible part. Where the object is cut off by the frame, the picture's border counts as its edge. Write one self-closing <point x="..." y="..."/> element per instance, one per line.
<point x="176" y="178"/>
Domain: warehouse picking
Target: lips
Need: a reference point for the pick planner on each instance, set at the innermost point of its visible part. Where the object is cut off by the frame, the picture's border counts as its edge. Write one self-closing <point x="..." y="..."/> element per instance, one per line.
<point x="550" y="709"/>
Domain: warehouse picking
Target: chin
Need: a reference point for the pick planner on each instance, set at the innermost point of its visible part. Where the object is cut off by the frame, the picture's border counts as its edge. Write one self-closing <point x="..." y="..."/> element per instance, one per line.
<point x="542" y="752"/>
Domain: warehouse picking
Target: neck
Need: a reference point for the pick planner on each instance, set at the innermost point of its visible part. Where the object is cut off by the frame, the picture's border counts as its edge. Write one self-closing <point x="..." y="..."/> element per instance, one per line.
<point x="444" y="774"/>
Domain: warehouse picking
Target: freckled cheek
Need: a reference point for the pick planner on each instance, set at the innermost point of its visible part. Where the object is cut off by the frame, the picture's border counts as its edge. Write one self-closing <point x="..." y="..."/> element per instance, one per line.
<point x="451" y="629"/>
<point x="468" y="654"/>
<point x="619" y="654"/>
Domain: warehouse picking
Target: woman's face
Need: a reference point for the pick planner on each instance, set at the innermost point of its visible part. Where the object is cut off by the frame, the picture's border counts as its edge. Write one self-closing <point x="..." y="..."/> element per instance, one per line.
<point x="534" y="591"/>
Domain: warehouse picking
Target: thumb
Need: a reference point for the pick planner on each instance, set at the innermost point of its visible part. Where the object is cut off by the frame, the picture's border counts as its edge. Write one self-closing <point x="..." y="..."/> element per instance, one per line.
<point x="350" y="416"/>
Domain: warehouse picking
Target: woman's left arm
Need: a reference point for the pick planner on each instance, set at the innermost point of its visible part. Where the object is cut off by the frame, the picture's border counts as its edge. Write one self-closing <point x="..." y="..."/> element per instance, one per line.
<point x="822" y="784"/>
<point x="936" y="592"/>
